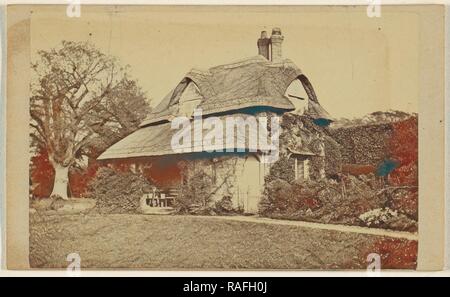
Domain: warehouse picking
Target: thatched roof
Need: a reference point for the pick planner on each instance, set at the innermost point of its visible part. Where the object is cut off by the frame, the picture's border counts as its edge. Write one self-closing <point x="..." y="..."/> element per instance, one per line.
<point x="316" y="111"/>
<point x="155" y="140"/>
<point x="247" y="83"/>
<point x="226" y="90"/>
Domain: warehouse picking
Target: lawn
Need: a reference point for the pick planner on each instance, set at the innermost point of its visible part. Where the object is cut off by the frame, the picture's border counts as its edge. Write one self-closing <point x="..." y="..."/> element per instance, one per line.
<point x="186" y="242"/>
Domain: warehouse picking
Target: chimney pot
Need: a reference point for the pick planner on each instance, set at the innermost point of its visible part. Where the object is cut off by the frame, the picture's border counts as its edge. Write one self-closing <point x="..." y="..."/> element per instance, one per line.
<point x="276" y="40"/>
<point x="276" y="31"/>
<point x="263" y="45"/>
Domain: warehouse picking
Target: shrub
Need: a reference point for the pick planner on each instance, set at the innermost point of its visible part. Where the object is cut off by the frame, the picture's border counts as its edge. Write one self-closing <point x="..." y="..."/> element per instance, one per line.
<point x="282" y="169"/>
<point x="388" y="218"/>
<point x="325" y="201"/>
<point x="275" y="197"/>
<point x="405" y="200"/>
<point x="354" y="200"/>
<point x="195" y="194"/>
<point x="225" y="206"/>
<point x="333" y="157"/>
<point x="117" y="191"/>
<point x="346" y="197"/>
<point x="283" y="197"/>
<point x="79" y="178"/>
<point x="198" y="192"/>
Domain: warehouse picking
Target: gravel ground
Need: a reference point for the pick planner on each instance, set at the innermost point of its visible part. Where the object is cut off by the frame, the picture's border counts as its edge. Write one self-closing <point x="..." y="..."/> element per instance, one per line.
<point x="184" y="242"/>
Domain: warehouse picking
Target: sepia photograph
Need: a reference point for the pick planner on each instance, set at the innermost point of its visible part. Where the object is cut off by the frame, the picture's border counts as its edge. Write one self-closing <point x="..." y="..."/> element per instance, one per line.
<point x="225" y="137"/>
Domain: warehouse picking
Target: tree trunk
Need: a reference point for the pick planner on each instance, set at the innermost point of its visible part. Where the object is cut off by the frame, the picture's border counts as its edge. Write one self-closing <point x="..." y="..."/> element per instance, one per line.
<point x="61" y="181"/>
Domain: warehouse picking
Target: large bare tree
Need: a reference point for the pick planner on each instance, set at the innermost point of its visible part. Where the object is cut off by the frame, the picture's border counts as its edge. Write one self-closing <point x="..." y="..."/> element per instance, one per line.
<point x="81" y="99"/>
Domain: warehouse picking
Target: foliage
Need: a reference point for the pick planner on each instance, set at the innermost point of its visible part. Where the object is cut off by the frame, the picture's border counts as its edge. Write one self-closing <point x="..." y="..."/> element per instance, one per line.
<point x="309" y="200"/>
<point x="200" y="192"/>
<point x="331" y="201"/>
<point x="282" y="169"/>
<point x="364" y="144"/>
<point x="79" y="178"/>
<point x="388" y="218"/>
<point x="348" y="201"/>
<point x="225" y="206"/>
<point x="81" y="102"/>
<point x="117" y="191"/>
<point x="41" y="175"/>
<point x="403" y="147"/>
<point x="195" y="193"/>
<point x="395" y="253"/>
<point x="382" y="136"/>
<point x="281" y="196"/>
<point x="333" y="157"/>
<point x="405" y="200"/>
<point x="300" y="133"/>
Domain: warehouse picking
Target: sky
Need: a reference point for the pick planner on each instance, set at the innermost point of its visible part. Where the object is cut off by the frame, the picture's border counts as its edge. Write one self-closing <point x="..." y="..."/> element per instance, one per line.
<point x="356" y="64"/>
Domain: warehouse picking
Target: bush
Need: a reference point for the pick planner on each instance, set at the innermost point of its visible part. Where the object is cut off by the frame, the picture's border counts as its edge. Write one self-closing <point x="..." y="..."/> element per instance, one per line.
<point x="280" y="196"/>
<point x="283" y="169"/>
<point x="405" y="200"/>
<point x="345" y="198"/>
<point x="225" y="207"/>
<point x="352" y="201"/>
<point x="195" y="194"/>
<point x="325" y="201"/>
<point x="309" y="200"/>
<point x="388" y="218"/>
<point x="117" y="191"/>
<point x="275" y="197"/>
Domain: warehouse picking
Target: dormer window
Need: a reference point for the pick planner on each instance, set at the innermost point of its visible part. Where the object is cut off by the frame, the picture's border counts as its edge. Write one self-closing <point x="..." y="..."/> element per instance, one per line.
<point x="298" y="96"/>
<point x="190" y="98"/>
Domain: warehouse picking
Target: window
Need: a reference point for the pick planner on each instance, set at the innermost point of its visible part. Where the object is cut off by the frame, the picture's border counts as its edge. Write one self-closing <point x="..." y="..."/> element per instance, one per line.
<point x="300" y="91"/>
<point x="298" y="96"/>
<point x="190" y="98"/>
<point x="301" y="168"/>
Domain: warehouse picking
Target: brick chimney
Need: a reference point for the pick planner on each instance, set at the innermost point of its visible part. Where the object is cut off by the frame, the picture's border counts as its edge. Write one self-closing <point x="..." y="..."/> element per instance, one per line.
<point x="263" y="45"/>
<point x="276" y="40"/>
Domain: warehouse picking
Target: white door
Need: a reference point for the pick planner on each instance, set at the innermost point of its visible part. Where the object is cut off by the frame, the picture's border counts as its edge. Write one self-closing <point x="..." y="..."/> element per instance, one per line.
<point x="250" y="185"/>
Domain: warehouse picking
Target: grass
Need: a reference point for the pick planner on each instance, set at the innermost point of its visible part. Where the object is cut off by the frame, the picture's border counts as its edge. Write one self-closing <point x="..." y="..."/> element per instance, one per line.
<point x="185" y="242"/>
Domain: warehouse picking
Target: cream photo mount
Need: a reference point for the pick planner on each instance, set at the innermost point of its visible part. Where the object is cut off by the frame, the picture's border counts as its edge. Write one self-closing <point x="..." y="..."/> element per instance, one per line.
<point x="431" y="253"/>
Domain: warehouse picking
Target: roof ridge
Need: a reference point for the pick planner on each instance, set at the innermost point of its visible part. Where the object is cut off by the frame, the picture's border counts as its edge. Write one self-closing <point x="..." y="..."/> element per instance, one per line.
<point x="199" y="71"/>
<point x="240" y="62"/>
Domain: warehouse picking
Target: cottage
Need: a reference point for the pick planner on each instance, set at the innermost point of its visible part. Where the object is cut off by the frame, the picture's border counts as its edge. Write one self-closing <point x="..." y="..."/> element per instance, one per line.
<point x="266" y="85"/>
